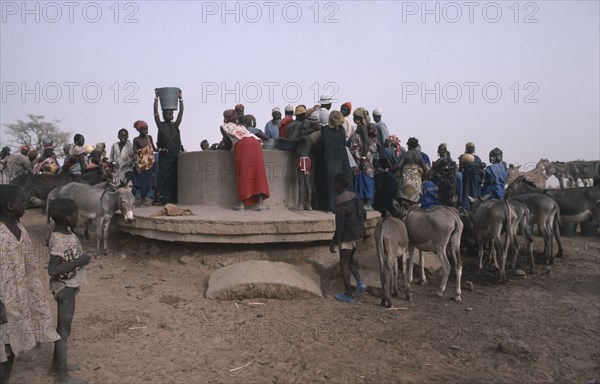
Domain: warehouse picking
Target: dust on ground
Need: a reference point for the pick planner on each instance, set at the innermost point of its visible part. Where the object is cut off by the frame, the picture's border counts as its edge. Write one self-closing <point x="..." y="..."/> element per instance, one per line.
<point x="143" y="318"/>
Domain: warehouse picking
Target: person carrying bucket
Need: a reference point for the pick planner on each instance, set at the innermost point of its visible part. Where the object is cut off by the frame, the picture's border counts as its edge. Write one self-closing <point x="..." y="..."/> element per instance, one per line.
<point x="168" y="142"/>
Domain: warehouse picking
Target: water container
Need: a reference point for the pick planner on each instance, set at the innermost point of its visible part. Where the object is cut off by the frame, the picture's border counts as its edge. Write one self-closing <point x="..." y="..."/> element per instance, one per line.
<point x="270" y="144"/>
<point x="168" y="97"/>
<point x="589" y="228"/>
<point x="567" y="229"/>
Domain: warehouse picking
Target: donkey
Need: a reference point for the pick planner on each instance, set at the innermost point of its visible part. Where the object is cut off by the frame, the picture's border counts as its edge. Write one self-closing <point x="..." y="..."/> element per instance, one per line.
<point x="391" y="242"/>
<point x="95" y="203"/>
<point x="438" y="230"/>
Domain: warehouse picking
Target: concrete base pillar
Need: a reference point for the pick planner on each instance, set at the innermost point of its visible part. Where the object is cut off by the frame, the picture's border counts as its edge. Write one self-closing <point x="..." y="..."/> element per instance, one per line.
<point x="208" y="178"/>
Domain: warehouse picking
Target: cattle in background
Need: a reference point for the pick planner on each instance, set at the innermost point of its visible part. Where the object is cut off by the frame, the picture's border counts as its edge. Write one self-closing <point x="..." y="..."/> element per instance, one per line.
<point x="438" y="230"/>
<point x="391" y="242"/>
<point x="96" y="203"/>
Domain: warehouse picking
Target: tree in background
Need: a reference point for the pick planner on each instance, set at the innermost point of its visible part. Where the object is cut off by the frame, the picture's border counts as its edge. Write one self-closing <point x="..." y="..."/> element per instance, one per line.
<point x="33" y="133"/>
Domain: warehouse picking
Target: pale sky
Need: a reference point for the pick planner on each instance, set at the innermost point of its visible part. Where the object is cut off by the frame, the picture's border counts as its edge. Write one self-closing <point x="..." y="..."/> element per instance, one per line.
<point x="521" y="76"/>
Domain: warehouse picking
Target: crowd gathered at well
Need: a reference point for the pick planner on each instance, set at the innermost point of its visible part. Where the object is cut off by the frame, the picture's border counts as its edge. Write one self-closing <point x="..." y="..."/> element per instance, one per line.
<point x="327" y="142"/>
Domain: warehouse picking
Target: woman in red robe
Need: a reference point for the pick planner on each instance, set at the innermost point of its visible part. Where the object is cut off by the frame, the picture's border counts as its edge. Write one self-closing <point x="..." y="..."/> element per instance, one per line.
<point x="250" y="175"/>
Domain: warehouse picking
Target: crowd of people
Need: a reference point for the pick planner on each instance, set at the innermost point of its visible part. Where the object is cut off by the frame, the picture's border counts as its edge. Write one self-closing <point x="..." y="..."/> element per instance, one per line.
<point x="327" y="141"/>
<point x="346" y="165"/>
<point x="359" y="145"/>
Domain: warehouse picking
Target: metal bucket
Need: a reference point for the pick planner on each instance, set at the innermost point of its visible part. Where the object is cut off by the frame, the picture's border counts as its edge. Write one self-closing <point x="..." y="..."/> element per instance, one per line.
<point x="589" y="228"/>
<point x="168" y="97"/>
<point x="567" y="229"/>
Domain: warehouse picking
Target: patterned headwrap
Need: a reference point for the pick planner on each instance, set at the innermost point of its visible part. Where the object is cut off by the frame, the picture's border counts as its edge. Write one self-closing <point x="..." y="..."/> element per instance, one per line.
<point x="362" y="115"/>
<point x="348" y="105"/>
<point x="140" y="124"/>
<point x="396" y="141"/>
<point x="229" y="116"/>
<point x="336" y="119"/>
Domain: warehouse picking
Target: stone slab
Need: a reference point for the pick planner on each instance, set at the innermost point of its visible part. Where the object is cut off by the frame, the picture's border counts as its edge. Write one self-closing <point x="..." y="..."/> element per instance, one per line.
<point x="263" y="279"/>
<point x="209" y="224"/>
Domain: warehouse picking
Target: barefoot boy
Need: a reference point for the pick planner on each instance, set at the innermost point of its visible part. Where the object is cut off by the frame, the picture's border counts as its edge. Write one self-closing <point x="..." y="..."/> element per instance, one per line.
<point x="67" y="272"/>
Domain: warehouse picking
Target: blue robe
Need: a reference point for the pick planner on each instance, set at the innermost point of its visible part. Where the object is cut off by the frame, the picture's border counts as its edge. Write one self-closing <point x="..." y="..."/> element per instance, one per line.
<point x="472" y="178"/>
<point x="429" y="195"/>
<point x="494" y="179"/>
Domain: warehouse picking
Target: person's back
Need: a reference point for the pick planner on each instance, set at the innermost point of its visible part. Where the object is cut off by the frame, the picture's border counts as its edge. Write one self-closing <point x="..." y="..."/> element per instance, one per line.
<point x="350" y="217"/>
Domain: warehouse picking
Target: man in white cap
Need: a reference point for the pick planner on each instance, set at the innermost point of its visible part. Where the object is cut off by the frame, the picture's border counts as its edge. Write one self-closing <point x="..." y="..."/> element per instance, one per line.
<point x="272" y="126"/>
<point x="382" y="131"/>
<point x="287" y="120"/>
<point x="324" y="111"/>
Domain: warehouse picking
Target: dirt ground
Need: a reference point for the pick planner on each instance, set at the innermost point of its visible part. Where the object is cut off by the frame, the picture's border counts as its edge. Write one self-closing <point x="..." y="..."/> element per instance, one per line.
<point x="143" y="318"/>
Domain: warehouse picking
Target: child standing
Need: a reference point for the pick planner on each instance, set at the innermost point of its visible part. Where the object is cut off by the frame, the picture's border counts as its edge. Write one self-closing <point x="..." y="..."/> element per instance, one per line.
<point x="121" y="155"/>
<point x="67" y="272"/>
<point x="77" y="161"/>
<point x="25" y="317"/>
<point x="350" y="216"/>
<point x="143" y="174"/>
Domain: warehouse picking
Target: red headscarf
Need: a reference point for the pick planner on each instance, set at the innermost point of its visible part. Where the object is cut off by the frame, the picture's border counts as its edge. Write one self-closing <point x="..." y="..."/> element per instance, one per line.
<point x="140" y="124"/>
<point x="349" y="105"/>
<point x="230" y="116"/>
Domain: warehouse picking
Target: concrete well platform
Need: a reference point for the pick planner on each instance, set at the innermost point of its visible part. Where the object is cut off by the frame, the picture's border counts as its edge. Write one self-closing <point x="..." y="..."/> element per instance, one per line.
<point x="209" y="224"/>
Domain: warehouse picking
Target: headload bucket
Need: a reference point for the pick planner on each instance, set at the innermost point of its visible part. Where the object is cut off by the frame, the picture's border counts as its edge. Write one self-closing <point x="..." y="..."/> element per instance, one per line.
<point x="168" y="97"/>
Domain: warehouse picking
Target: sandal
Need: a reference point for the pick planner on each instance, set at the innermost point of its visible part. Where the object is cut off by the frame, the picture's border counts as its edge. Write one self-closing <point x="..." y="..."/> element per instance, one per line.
<point x="239" y="207"/>
<point x="344" y="298"/>
<point x="361" y="288"/>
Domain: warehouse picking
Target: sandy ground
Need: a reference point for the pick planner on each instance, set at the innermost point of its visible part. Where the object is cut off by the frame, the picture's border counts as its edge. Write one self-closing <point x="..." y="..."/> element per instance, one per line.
<point x="143" y="318"/>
